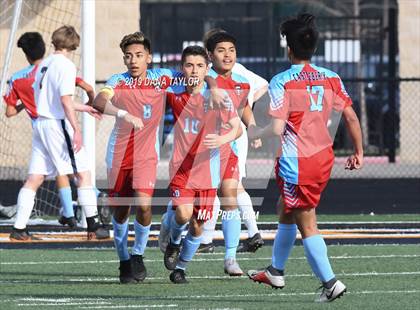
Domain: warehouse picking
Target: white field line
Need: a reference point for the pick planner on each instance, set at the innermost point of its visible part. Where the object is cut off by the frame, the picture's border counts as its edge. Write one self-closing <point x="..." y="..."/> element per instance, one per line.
<point x="115" y="279"/>
<point x="107" y="305"/>
<point x="278" y="294"/>
<point x="207" y="259"/>
<point x="131" y="306"/>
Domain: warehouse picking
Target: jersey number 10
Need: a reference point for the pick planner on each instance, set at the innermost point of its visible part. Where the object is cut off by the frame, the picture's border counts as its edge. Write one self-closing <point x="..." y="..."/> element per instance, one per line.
<point x="319" y="91"/>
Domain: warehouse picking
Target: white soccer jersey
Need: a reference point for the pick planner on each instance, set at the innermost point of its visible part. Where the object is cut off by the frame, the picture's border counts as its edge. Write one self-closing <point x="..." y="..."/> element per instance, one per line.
<point x="54" y="78"/>
<point x="256" y="82"/>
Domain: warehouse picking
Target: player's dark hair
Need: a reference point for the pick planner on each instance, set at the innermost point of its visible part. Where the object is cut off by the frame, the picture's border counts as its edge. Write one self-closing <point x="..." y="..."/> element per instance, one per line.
<point x="301" y="35"/>
<point x="32" y="45"/>
<point x="135" y="38"/>
<point x="218" y="38"/>
<point x="211" y="33"/>
<point x="194" y="50"/>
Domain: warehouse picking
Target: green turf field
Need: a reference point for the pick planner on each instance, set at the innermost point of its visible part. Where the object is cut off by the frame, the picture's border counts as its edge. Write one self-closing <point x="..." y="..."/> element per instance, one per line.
<point x="378" y="277"/>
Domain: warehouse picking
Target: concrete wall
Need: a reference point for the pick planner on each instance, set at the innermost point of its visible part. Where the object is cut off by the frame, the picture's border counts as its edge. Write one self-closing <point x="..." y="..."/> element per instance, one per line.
<point x="409" y="50"/>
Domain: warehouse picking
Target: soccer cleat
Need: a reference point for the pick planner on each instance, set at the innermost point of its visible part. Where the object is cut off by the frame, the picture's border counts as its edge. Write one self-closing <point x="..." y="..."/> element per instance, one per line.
<point x="251" y="244"/>
<point x="163" y="234"/>
<point x="99" y="232"/>
<point x="104" y="211"/>
<point x="264" y="276"/>
<point x="137" y="267"/>
<point x="126" y="275"/>
<point x="178" y="276"/>
<point x="336" y="291"/>
<point x="171" y="255"/>
<point x="71" y="221"/>
<point x="232" y="268"/>
<point x="206" y="248"/>
<point x="21" y="235"/>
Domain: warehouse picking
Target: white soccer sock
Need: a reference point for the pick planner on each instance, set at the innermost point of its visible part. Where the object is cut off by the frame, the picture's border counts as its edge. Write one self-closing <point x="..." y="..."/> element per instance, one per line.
<point x="87" y="199"/>
<point x="247" y="213"/>
<point x="210" y="225"/>
<point x="25" y="204"/>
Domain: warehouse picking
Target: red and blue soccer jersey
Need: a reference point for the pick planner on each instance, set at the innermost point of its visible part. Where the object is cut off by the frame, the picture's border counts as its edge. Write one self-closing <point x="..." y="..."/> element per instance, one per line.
<point x="238" y="89"/>
<point x="305" y="96"/>
<point x="20" y="89"/>
<point x="193" y="165"/>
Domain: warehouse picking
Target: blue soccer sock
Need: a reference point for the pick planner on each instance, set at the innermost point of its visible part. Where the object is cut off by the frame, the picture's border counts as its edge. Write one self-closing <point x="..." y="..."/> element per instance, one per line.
<point x="142" y="236"/>
<point x="283" y="244"/>
<point x="231" y="226"/>
<point x="66" y="201"/>
<point x="316" y="254"/>
<point x="189" y="247"/>
<point x="120" y="239"/>
<point x="176" y="231"/>
<point x="170" y="213"/>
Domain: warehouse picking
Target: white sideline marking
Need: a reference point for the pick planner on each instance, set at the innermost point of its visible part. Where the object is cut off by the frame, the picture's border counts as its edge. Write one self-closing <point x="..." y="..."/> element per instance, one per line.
<point x="208" y="259"/>
<point x="115" y="279"/>
<point x="131" y="306"/>
<point x="103" y="305"/>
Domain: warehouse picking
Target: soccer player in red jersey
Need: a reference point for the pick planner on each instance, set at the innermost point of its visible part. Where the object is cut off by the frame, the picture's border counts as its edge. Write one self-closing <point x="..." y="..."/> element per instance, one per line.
<point x="20" y="90"/>
<point x="302" y="100"/>
<point x="195" y="164"/>
<point x="222" y="51"/>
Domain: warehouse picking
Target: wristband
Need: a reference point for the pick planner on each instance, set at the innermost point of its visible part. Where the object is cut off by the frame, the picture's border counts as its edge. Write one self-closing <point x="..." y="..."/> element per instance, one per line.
<point x="121" y="113"/>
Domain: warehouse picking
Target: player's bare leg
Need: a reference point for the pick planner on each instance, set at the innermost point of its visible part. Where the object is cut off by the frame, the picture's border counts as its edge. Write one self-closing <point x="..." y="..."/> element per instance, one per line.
<point x="254" y="241"/>
<point x="25" y="204"/>
<point x="183" y="214"/>
<point x="66" y="201"/>
<point x="142" y="230"/>
<point x="316" y="254"/>
<point x="231" y="225"/>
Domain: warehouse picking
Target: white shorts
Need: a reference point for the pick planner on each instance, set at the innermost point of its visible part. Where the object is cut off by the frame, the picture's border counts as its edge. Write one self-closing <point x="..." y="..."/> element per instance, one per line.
<point x="242" y="146"/>
<point x="52" y="154"/>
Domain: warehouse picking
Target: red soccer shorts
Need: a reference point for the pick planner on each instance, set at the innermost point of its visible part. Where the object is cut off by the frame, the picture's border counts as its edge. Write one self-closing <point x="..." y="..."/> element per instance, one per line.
<point x="296" y="196"/>
<point x="124" y="182"/>
<point x="228" y="164"/>
<point x="202" y="200"/>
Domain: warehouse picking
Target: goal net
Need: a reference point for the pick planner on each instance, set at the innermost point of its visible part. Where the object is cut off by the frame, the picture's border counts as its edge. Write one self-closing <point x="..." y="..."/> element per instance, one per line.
<point x="43" y="16"/>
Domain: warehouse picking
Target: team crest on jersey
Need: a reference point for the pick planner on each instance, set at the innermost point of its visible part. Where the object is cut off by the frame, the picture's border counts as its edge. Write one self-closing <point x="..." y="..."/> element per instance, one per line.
<point x="238" y="90"/>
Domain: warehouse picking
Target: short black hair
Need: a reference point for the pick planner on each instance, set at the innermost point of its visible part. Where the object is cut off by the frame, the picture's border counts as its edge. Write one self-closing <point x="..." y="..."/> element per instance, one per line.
<point x="301" y="35"/>
<point x="218" y="38"/>
<point x="194" y="50"/>
<point x="136" y="38"/>
<point x="32" y="45"/>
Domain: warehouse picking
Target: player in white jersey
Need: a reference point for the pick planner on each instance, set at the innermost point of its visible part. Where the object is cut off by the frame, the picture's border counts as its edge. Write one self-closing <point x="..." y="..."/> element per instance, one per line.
<point x="57" y="139"/>
<point x="258" y="88"/>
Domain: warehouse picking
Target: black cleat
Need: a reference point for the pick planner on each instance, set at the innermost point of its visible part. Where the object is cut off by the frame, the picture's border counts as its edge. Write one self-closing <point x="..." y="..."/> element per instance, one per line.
<point x="251" y="244"/>
<point x="206" y="248"/>
<point x="98" y="232"/>
<point x="21" y="235"/>
<point x="126" y="275"/>
<point x="178" y="276"/>
<point x="71" y="221"/>
<point x="171" y="255"/>
<point x="137" y="267"/>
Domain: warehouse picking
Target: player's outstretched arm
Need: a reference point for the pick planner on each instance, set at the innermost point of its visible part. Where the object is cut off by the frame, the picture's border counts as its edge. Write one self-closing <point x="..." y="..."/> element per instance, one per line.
<point x="355" y="161"/>
<point x="275" y="128"/>
<point x="213" y="141"/>
<point x="102" y="104"/>
<point x="88" y="89"/>
<point x="248" y="119"/>
<point x="12" y="110"/>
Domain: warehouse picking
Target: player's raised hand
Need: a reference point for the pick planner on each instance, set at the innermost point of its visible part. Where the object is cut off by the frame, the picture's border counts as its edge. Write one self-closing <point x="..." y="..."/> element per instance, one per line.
<point x="77" y="141"/>
<point x="213" y="141"/>
<point x="354" y="161"/>
<point x="219" y="98"/>
<point x="135" y="121"/>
